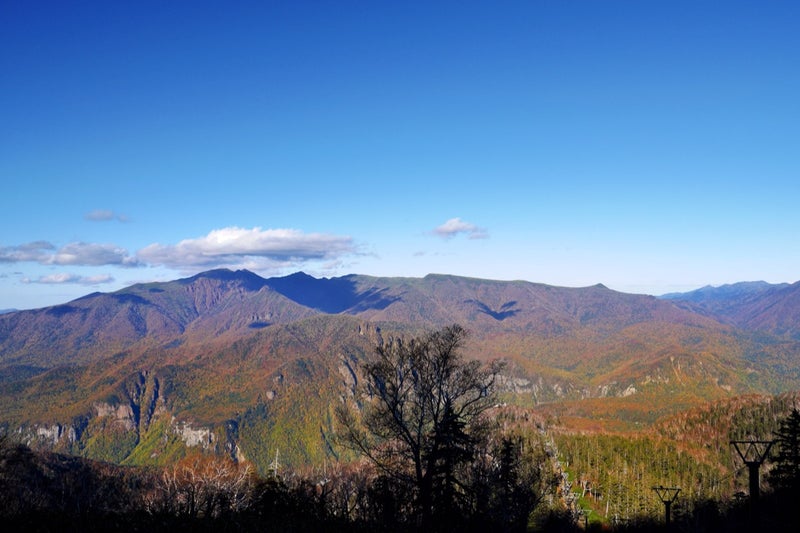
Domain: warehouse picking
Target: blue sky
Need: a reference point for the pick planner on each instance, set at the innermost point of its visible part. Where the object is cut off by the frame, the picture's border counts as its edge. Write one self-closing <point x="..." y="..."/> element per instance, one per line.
<point x="649" y="146"/>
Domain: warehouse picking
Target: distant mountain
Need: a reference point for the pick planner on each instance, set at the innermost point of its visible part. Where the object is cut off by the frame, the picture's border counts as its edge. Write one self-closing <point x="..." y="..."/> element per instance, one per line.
<point x="755" y="306"/>
<point x="4" y="311"/>
<point x="724" y="293"/>
<point x="246" y="365"/>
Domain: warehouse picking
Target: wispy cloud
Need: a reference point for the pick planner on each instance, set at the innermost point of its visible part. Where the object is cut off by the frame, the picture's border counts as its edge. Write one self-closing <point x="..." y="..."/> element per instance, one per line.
<point x="255" y="247"/>
<point x="64" y="278"/>
<point x="456" y="226"/>
<point x="105" y="215"/>
<point x="34" y="252"/>
<point x="73" y="254"/>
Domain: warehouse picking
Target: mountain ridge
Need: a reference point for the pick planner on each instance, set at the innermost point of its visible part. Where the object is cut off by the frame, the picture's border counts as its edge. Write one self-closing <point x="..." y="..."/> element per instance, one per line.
<point x="760" y="306"/>
<point x="260" y="362"/>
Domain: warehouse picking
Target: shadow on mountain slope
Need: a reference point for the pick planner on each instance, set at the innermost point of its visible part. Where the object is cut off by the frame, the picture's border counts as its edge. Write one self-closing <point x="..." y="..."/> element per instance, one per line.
<point x="335" y="295"/>
<point x="505" y="311"/>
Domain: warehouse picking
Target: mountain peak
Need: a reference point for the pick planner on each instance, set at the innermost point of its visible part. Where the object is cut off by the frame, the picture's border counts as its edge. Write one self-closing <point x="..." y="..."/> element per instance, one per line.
<point x="247" y="278"/>
<point x="299" y="275"/>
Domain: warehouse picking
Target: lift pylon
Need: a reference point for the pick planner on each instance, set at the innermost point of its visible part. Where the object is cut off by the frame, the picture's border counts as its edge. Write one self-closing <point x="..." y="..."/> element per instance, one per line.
<point x="667" y="495"/>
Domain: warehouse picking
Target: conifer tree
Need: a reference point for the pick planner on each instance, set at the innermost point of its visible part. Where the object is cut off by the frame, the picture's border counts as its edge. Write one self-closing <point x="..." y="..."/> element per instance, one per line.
<point x="786" y="473"/>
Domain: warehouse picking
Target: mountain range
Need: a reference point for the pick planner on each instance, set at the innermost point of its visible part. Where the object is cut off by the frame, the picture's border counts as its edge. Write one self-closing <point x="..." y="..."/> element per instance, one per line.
<point x="754" y="305"/>
<point x="252" y="366"/>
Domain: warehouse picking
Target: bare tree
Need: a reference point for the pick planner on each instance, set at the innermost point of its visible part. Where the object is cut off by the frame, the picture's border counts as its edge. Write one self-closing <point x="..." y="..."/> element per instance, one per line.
<point x="202" y="485"/>
<point x="422" y="419"/>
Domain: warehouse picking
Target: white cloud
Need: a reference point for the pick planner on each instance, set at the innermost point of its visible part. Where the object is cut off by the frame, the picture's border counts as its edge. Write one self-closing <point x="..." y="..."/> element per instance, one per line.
<point x="62" y="278"/>
<point x="255" y="248"/>
<point x="73" y="254"/>
<point x="455" y="226"/>
<point x="105" y="215"/>
<point x="92" y="254"/>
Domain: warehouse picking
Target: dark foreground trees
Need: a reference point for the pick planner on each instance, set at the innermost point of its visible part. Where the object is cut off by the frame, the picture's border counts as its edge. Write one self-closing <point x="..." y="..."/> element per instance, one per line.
<point x="423" y="428"/>
<point x="493" y="491"/>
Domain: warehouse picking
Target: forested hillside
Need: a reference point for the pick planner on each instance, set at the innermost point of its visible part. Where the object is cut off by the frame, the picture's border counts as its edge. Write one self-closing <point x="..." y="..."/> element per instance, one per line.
<point x="246" y="366"/>
<point x="614" y="472"/>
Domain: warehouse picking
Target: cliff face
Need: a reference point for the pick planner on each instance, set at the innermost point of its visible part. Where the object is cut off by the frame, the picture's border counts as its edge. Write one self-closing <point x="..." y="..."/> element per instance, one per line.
<point x="125" y="427"/>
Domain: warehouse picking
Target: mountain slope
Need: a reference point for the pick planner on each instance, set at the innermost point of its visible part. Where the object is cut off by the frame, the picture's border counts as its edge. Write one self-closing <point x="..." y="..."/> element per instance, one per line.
<point x="755" y="306"/>
<point x="240" y="364"/>
<point x="144" y="316"/>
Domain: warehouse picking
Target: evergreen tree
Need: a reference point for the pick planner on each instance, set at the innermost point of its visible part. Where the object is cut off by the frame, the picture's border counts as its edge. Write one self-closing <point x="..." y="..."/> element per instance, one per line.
<point x="786" y="473"/>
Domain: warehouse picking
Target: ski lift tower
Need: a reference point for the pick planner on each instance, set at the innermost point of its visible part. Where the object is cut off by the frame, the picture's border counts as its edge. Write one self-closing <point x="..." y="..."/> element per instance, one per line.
<point x="667" y="495"/>
<point x="753" y="453"/>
